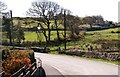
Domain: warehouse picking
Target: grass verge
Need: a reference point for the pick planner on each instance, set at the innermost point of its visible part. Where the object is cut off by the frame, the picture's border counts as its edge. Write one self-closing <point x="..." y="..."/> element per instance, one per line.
<point x="95" y="59"/>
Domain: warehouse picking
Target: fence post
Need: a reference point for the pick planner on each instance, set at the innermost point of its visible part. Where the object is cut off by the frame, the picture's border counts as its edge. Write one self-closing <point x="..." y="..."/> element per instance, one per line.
<point x="2" y="74"/>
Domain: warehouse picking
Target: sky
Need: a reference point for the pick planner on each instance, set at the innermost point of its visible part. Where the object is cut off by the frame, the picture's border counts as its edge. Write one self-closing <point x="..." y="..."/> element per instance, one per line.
<point x="107" y="8"/>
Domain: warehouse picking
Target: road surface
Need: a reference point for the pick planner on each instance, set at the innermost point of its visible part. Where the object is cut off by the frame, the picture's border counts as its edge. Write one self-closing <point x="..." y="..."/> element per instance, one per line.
<point x="68" y="65"/>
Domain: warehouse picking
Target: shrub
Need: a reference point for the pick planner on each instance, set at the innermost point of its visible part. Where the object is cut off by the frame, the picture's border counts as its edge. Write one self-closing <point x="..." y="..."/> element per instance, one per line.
<point x="112" y="32"/>
<point x="118" y="32"/>
<point x="15" y="59"/>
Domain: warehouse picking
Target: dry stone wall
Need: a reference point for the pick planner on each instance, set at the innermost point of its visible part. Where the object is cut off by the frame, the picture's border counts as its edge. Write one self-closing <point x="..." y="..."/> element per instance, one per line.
<point x="90" y="54"/>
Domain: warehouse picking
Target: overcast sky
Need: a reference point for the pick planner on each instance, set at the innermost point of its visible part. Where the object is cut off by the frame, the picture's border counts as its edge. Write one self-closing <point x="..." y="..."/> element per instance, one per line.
<point x="107" y="8"/>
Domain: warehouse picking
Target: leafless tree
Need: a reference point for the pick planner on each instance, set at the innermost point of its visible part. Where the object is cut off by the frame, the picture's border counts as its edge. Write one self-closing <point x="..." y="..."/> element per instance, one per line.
<point x="46" y="11"/>
<point x="3" y="6"/>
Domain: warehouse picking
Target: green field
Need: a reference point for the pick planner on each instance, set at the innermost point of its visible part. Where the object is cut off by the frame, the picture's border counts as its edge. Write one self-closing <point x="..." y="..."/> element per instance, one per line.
<point x="103" y="34"/>
<point x="32" y="36"/>
<point x="89" y="38"/>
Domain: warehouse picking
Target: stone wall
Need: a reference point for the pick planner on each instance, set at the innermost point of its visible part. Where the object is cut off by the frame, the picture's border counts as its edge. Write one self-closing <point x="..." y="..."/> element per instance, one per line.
<point x="90" y="54"/>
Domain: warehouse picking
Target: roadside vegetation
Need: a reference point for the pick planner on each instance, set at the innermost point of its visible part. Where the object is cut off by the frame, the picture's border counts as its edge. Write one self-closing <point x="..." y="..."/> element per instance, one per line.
<point x="13" y="60"/>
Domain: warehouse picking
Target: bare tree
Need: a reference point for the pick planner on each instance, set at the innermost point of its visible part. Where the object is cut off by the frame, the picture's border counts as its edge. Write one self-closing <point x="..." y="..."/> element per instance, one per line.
<point x="3" y="6"/>
<point x="45" y="10"/>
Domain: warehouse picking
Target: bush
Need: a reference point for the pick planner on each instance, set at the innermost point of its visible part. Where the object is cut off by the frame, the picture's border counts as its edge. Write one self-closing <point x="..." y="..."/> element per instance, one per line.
<point x="15" y="59"/>
<point x="112" y="32"/>
<point x="115" y="32"/>
<point x="118" y="32"/>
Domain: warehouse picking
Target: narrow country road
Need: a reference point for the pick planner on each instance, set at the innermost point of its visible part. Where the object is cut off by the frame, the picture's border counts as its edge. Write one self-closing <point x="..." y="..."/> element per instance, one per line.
<point x="68" y="65"/>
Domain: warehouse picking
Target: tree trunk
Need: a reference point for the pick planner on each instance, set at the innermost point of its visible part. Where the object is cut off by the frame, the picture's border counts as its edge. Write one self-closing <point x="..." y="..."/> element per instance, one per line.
<point x="46" y="38"/>
<point x="56" y="25"/>
<point x="44" y="32"/>
<point x="58" y="36"/>
<point x="10" y="37"/>
<point x="90" y="25"/>
<point x="49" y="31"/>
<point x="72" y="33"/>
<point x="45" y="35"/>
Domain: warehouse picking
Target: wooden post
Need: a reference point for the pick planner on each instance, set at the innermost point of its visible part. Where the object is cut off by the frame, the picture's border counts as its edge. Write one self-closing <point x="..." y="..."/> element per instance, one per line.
<point x="11" y="27"/>
<point x="65" y="28"/>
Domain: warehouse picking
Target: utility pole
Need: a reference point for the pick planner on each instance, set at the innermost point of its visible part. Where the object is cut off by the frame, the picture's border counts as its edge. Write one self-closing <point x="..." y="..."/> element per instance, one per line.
<point x="1" y="28"/>
<point x="11" y="27"/>
<point x="65" y="28"/>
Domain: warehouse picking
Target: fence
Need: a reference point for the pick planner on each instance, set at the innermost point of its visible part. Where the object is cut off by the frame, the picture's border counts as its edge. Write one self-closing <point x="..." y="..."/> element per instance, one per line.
<point x="24" y="71"/>
<point x="27" y="71"/>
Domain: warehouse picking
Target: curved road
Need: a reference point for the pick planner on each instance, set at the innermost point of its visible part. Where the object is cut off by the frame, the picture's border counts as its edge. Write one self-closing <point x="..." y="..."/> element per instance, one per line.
<point x="68" y="65"/>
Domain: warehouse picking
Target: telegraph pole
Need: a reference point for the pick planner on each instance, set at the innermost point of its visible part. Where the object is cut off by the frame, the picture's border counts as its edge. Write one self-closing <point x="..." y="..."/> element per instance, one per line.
<point x="65" y="28"/>
<point x="11" y="27"/>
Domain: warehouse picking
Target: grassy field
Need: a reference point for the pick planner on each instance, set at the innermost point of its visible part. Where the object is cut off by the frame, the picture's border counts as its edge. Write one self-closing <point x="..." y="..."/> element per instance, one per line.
<point x="32" y="36"/>
<point x="92" y="36"/>
<point x="102" y="35"/>
<point x="89" y="38"/>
